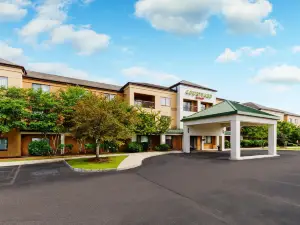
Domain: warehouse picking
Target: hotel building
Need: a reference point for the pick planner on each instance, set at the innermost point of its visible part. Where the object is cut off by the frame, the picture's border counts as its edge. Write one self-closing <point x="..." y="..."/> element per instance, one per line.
<point x="177" y="101"/>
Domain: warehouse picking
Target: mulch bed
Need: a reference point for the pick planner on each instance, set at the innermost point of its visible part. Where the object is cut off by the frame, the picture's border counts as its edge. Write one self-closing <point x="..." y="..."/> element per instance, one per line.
<point x="99" y="160"/>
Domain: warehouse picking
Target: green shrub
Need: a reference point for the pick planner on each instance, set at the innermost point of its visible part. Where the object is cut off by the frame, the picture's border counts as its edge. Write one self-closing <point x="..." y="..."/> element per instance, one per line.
<point x="39" y="148"/>
<point x="90" y="146"/>
<point x="134" y="147"/>
<point x="109" y="146"/>
<point x="162" y="147"/>
<point x="145" y="146"/>
<point x="227" y="144"/>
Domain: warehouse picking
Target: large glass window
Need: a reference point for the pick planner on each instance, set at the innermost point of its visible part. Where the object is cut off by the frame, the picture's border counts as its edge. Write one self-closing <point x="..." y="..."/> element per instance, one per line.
<point x="208" y="140"/>
<point x="3" y="82"/>
<point x="109" y="96"/>
<point x="165" y="101"/>
<point x="45" y="88"/>
<point x="3" y="144"/>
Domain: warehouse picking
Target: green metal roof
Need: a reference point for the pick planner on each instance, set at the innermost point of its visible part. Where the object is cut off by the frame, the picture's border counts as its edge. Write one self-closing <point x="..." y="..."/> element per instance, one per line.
<point x="229" y="108"/>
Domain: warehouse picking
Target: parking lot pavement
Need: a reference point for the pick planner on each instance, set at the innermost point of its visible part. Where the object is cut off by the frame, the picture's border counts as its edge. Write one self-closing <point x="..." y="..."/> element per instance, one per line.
<point x="8" y="175"/>
<point x="171" y="189"/>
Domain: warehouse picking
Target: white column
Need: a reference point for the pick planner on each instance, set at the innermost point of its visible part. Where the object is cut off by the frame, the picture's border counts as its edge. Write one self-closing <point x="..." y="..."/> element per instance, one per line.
<point x="272" y="140"/>
<point x="222" y="142"/>
<point x="235" y="153"/>
<point x="162" y="139"/>
<point x="218" y="140"/>
<point x="202" y="142"/>
<point x="134" y="138"/>
<point x="186" y="140"/>
<point x="62" y="141"/>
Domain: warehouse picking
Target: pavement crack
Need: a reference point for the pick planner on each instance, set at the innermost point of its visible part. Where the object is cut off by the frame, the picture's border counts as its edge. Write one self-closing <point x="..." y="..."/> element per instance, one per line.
<point x="199" y="206"/>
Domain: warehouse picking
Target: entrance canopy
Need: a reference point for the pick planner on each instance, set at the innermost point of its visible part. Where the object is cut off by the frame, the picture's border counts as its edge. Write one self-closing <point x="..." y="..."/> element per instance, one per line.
<point x="214" y="120"/>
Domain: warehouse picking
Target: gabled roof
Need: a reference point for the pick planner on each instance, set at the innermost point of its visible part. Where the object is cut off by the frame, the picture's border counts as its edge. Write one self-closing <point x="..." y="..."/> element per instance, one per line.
<point x="229" y="108"/>
<point x="190" y="84"/>
<point x="261" y="107"/>
<point x="11" y="64"/>
<point x="147" y="85"/>
<point x="72" y="81"/>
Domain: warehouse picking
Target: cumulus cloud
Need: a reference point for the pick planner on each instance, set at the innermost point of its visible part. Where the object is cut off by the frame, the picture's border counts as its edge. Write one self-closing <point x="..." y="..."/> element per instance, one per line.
<point x="84" y="40"/>
<point x="13" y="10"/>
<point x="279" y="75"/>
<point x="143" y="74"/>
<point x="50" y="19"/>
<point x="192" y="16"/>
<point x="235" y="55"/>
<point x="15" y="55"/>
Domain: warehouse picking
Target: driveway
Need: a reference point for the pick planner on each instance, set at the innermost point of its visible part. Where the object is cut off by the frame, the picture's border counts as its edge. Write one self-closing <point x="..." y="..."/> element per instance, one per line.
<point x="200" y="188"/>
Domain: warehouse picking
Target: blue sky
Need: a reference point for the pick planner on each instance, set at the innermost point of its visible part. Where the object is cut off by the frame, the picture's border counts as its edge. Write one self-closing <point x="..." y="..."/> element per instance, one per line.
<point x="247" y="50"/>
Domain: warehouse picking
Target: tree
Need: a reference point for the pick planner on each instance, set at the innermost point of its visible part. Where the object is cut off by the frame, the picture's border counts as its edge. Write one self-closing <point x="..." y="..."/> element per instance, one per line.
<point x="103" y="120"/>
<point x="151" y="123"/>
<point x="284" y="132"/>
<point x="13" y="109"/>
<point x="44" y="114"/>
<point x="68" y="98"/>
<point x="256" y="133"/>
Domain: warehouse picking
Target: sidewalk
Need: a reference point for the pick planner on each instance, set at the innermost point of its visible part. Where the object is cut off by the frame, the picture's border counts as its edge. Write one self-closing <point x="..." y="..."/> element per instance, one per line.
<point x="133" y="160"/>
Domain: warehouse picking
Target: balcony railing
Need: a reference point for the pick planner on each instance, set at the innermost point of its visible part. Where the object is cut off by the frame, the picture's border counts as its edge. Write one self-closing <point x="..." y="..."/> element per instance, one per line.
<point x="190" y="108"/>
<point x="144" y="104"/>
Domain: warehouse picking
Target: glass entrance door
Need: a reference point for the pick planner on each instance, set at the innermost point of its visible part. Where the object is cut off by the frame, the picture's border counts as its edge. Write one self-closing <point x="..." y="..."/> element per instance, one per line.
<point x="193" y="141"/>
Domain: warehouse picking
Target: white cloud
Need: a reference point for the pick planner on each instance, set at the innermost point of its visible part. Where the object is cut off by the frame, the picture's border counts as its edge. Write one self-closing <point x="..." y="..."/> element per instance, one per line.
<point x="192" y="16"/>
<point x="85" y="41"/>
<point x="50" y="13"/>
<point x="145" y="75"/>
<point x="296" y="49"/>
<point x="58" y="69"/>
<point x="231" y="56"/>
<point x="15" y="55"/>
<point x="280" y="75"/>
<point x="13" y="10"/>
<point x="281" y="88"/>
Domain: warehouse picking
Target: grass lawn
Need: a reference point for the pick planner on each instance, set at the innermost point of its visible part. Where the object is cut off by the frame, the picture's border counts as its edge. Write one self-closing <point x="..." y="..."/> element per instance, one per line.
<point x="114" y="162"/>
<point x="289" y="148"/>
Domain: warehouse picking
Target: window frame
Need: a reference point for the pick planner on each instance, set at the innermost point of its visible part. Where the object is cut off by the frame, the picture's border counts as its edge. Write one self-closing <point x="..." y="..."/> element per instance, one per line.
<point x="165" y="101"/>
<point x="41" y="87"/>
<point x="206" y="139"/>
<point x="109" y="96"/>
<point x="4" y="150"/>
<point x="6" y="79"/>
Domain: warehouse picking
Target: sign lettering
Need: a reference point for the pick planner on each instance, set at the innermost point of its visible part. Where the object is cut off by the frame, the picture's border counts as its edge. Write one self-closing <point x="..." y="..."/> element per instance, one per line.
<point x="198" y="94"/>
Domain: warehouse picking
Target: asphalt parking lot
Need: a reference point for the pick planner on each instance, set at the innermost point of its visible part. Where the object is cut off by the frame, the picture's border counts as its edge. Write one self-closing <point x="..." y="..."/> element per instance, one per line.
<point x="201" y="188"/>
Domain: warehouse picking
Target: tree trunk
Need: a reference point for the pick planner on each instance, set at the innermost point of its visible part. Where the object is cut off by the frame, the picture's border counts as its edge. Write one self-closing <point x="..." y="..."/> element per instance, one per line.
<point x="98" y="151"/>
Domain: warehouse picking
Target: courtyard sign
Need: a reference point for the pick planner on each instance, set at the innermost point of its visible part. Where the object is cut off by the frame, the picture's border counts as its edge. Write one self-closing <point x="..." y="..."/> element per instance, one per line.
<point x="198" y="95"/>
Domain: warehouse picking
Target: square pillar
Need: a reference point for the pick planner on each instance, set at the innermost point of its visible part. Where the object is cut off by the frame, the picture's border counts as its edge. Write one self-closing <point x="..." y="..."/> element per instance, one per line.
<point x="235" y="153"/>
<point x="217" y="141"/>
<point x="186" y="140"/>
<point x="222" y="142"/>
<point x="198" y="143"/>
<point x="272" y="140"/>
<point x="62" y="142"/>
<point x="202" y="143"/>
<point x="162" y="139"/>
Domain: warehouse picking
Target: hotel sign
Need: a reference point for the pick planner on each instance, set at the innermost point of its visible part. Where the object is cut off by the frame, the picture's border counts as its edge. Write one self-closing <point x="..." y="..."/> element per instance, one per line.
<point x="198" y="95"/>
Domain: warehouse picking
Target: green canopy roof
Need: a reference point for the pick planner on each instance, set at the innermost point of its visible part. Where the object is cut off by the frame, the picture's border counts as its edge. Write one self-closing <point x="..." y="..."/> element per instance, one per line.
<point x="229" y="108"/>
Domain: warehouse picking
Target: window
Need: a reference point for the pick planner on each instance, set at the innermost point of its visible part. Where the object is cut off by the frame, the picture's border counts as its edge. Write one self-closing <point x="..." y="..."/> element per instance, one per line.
<point x="291" y="120"/>
<point x="203" y="106"/>
<point x="3" y="82"/>
<point x="40" y="139"/>
<point x="208" y="140"/>
<point x="109" y="96"/>
<point x="144" y="139"/>
<point x="45" y="88"/>
<point x="3" y="144"/>
<point x="165" y="101"/>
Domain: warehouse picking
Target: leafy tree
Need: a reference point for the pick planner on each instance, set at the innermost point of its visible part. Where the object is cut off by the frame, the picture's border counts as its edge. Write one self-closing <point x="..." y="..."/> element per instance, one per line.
<point x="285" y="131"/>
<point x="151" y="123"/>
<point x="44" y="114"/>
<point x="68" y="98"/>
<point x="13" y="109"/>
<point x="255" y="132"/>
<point x="104" y="120"/>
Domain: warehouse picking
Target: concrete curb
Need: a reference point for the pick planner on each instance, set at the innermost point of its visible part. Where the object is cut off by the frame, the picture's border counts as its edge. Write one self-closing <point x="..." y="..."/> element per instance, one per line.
<point x="137" y="163"/>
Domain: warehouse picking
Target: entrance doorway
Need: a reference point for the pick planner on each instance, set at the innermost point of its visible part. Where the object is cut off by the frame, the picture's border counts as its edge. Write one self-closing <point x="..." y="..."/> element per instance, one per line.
<point x="193" y="141"/>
